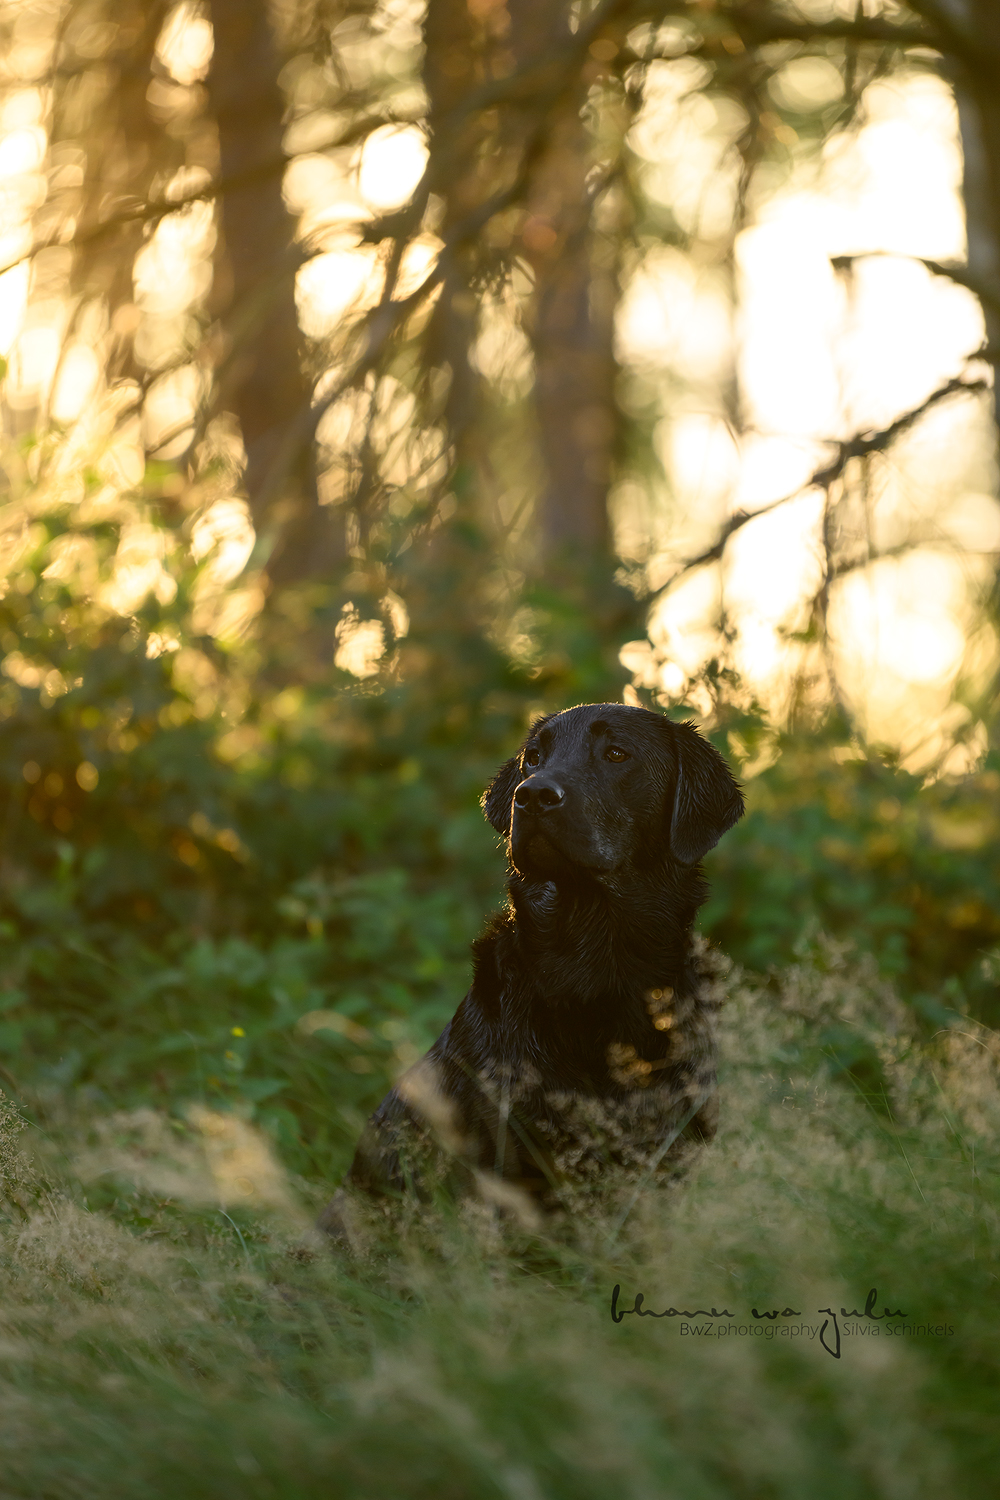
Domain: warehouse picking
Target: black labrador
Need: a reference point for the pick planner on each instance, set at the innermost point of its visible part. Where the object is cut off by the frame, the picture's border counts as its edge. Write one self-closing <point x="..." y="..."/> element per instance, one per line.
<point x="586" y="1040"/>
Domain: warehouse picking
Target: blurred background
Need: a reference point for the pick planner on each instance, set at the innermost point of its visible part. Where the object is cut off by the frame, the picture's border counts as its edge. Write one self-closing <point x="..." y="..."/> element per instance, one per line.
<point x="378" y="375"/>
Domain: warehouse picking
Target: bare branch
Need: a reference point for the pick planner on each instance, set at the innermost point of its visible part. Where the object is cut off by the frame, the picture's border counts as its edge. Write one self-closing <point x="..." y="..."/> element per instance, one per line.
<point x="988" y="294"/>
<point x="900" y="549"/>
<point x="544" y="79"/>
<point x="153" y="209"/>
<point x="757" y="27"/>
<point x="859" y="446"/>
<point x="958" y="39"/>
<point x="541" y="81"/>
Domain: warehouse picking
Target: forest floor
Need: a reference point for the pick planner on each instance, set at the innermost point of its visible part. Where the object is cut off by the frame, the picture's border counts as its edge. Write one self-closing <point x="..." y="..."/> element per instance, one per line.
<point x="171" y="1325"/>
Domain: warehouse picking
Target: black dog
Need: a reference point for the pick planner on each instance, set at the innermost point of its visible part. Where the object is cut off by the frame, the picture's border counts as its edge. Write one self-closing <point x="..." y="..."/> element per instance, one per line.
<point x="584" y="1042"/>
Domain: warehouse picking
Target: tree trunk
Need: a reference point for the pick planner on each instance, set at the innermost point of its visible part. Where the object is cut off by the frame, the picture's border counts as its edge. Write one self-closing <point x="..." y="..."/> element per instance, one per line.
<point x="571" y="319"/>
<point x="570" y="315"/>
<point x="540" y="146"/>
<point x="263" y="382"/>
<point x="104" y="108"/>
<point x="451" y="71"/>
<point x="978" y="94"/>
<point x="442" y="577"/>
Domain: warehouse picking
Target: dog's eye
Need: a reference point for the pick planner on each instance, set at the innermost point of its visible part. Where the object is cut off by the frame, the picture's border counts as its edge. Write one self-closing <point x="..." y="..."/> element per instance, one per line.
<point x="532" y="757"/>
<point x="613" y="753"/>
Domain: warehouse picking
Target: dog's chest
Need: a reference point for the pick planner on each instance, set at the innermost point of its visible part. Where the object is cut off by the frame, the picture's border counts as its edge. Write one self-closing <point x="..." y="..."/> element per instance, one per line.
<point x="607" y="1048"/>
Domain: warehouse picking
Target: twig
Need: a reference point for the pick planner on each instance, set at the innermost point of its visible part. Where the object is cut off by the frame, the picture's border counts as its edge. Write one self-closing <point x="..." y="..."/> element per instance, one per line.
<point x="383" y="322"/>
<point x="956" y="37"/>
<point x="859" y="446"/>
<point x="988" y="293"/>
<point x="148" y="211"/>
<point x="757" y="27"/>
<point x="527" y="83"/>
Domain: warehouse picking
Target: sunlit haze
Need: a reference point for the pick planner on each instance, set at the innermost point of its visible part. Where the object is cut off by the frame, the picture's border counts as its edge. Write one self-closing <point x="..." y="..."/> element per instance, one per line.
<point x="820" y="354"/>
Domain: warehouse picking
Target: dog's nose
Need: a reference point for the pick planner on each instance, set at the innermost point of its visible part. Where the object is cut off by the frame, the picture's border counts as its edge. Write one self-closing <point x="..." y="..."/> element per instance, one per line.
<point x="538" y="794"/>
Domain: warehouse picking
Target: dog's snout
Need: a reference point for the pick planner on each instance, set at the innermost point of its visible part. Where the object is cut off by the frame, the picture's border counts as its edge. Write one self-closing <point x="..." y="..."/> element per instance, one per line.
<point x="538" y="794"/>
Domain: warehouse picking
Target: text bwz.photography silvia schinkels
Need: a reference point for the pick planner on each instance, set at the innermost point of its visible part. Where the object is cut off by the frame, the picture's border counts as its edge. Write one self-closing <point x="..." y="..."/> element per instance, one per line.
<point x="788" y="1322"/>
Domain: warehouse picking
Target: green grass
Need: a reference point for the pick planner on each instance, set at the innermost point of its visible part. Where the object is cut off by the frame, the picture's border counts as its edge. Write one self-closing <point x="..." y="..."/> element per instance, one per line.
<point x="169" y="1326"/>
<point x="237" y="892"/>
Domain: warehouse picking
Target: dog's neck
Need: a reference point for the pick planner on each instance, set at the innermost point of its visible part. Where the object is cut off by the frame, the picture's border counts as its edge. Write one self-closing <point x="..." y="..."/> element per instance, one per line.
<point x="610" y="939"/>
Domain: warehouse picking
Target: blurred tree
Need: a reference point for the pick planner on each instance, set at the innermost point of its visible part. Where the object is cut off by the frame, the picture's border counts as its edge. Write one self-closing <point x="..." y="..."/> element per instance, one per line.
<point x="970" y="30"/>
<point x="261" y="377"/>
<point x="529" y="110"/>
<point x="109" y="149"/>
<point x="448" y="389"/>
<point x="472" y="381"/>
<point x="108" y="152"/>
<point x="453" y="66"/>
<point x="570" y="316"/>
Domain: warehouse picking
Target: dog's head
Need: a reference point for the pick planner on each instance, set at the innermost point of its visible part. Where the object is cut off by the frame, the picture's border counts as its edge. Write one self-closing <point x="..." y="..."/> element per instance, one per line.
<point x="603" y="786"/>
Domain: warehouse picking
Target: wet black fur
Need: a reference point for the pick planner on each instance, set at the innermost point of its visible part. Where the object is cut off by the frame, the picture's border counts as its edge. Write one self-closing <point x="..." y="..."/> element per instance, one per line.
<point x="604" y="885"/>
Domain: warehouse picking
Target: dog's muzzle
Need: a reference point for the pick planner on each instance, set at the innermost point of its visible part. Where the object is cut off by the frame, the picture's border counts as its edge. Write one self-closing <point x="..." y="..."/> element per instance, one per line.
<point x="537" y="835"/>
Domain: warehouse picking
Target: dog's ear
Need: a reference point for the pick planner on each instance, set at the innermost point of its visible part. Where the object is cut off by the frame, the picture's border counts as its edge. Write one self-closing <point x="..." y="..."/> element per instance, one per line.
<point x="707" y="799"/>
<point x="498" y="796"/>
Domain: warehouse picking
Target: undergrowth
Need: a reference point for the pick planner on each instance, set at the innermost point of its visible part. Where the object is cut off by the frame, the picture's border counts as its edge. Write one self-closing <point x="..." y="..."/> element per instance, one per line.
<point x="237" y="893"/>
<point x="231" y="877"/>
<point x="170" y="1325"/>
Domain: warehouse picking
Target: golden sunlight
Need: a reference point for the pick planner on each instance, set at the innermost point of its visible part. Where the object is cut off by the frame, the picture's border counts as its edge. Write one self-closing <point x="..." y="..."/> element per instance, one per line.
<point x="819" y="354"/>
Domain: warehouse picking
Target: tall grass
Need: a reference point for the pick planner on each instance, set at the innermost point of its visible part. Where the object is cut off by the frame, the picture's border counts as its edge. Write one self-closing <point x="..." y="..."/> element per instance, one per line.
<point x="236" y="895"/>
<point x="170" y="1326"/>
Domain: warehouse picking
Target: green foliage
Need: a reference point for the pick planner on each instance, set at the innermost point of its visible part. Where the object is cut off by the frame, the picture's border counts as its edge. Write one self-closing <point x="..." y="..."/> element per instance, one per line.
<point x="155" y="1345"/>
<point x="237" y="892"/>
<point x="227" y="882"/>
<point x="842" y="841"/>
<point x="199" y="840"/>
